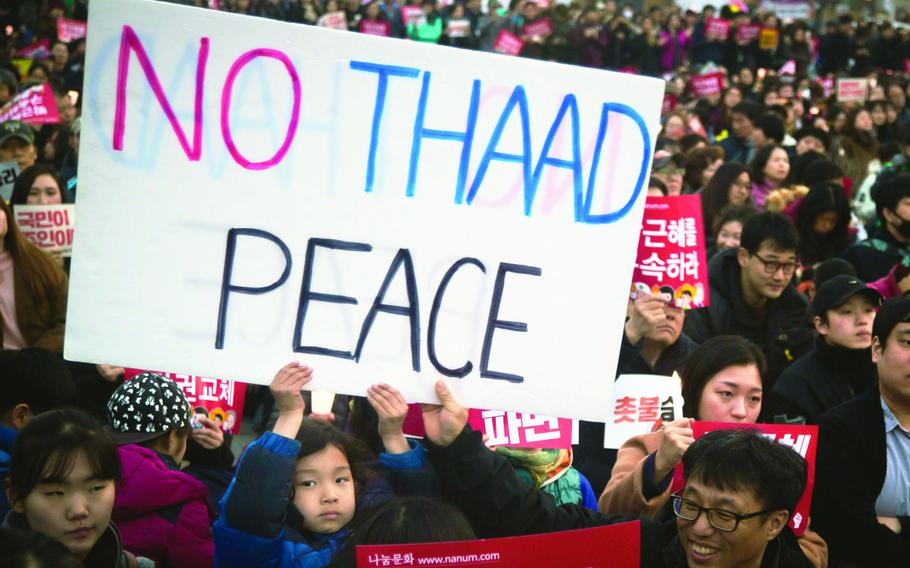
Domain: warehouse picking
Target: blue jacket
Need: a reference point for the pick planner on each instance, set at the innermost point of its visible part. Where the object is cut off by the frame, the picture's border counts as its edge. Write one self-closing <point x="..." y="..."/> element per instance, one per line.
<point x="7" y="440"/>
<point x="251" y="529"/>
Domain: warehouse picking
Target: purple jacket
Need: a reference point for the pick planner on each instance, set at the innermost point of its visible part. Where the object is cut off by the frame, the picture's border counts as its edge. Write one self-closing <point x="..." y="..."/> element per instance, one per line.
<point x="675" y="51"/>
<point x="162" y="512"/>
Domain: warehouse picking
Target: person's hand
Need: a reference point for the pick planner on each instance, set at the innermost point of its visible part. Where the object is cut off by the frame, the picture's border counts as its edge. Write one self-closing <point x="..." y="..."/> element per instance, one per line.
<point x="210" y="436"/>
<point x="392" y="409"/>
<point x="57" y="254"/>
<point x="892" y="523"/>
<point x="109" y="373"/>
<point x="677" y="438"/>
<point x="443" y="423"/>
<point x="647" y="314"/>
<point x="285" y="388"/>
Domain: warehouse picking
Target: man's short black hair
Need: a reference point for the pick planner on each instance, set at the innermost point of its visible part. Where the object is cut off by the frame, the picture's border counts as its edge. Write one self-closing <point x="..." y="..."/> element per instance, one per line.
<point x="772" y="126"/>
<point x="821" y="171"/>
<point x="35" y="377"/>
<point x="751" y="110"/>
<point x="892" y="312"/>
<point x="744" y="460"/>
<point x="768" y="226"/>
<point x="816" y="133"/>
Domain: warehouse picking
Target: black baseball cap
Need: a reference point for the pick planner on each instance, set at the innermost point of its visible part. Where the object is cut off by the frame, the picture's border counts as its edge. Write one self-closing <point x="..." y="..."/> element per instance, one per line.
<point x="835" y="292"/>
<point x="145" y="407"/>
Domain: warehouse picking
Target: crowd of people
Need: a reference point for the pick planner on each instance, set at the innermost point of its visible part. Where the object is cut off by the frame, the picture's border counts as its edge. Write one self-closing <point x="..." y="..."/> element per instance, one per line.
<point x="806" y="208"/>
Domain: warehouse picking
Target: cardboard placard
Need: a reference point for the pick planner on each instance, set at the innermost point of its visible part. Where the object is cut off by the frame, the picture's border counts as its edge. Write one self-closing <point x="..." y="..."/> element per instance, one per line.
<point x="9" y="171"/>
<point x="49" y="227"/>
<point x="217" y="399"/>
<point x="458" y="28"/>
<point x="508" y="43"/>
<point x="708" y="84"/>
<point x="346" y="258"/>
<point x="747" y="32"/>
<point x="852" y="90"/>
<point x="717" y="28"/>
<point x="583" y="548"/>
<point x="802" y="438"/>
<point x="69" y="30"/>
<point x="640" y="404"/>
<point x="671" y="252"/>
<point x="35" y="105"/>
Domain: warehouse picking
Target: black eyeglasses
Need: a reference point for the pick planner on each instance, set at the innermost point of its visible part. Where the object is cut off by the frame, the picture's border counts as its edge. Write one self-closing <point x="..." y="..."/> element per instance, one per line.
<point x="720" y="519"/>
<point x="772" y="266"/>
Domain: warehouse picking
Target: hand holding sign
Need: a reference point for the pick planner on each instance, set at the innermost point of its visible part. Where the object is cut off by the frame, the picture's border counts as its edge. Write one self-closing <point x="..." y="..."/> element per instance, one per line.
<point x="285" y="388"/>
<point x="443" y="424"/>
<point x="392" y="409"/>
<point x="648" y="312"/>
<point x="209" y="436"/>
<point x="678" y="436"/>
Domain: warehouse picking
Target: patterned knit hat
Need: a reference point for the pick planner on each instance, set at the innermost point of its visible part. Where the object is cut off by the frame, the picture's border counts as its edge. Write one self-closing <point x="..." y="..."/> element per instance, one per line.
<point x="146" y="407"/>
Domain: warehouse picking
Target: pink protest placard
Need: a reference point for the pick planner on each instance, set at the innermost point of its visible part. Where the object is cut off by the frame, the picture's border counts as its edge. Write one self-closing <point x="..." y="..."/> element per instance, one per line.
<point x="852" y="90"/>
<point x="410" y="12"/>
<point x="671" y="252"/>
<point x="707" y="84"/>
<point x="828" y="85"/>
<point x="218" y="399"/>
<point x="376" y="28"/>
<point x="458" y="28"/>
<point x="539" y="28"/>
<point x="508" y="43"/>
<point x="583" y="548"/>
<point x="333" y="20"/>
<point x="69" y="30"/>
<point x="35" y="105"/>
<point x="49" y="227"/>
<point x="802" y="438"/>
<point x="38" y="50"/>
<point x="668" y="104"/>
<point x="515" y="429"/>
<point x="717" y="28"/>
<point x="747" y="32"/>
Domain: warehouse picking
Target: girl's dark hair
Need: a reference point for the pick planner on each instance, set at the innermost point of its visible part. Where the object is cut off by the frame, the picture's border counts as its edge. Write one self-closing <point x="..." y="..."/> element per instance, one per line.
<point x="47" y="447"/>
<point x="822" y="198"/>
<point x="712" y="357"/>
<point x="315" y="435"/>
<point x="761" y="160"/>
<point x="798" y="167"/>
<point x="821" y="171"/>
<point x="716" y="194"/>
<point x="404" y="520"/>
<point x="25" y="180"/>
<point x="740" y="213"/>
<point x="697" y="161"/>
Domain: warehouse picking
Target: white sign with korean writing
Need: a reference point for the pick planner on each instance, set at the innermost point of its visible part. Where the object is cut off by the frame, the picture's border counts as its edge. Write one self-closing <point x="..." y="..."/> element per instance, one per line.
<point x="639" y="401"/>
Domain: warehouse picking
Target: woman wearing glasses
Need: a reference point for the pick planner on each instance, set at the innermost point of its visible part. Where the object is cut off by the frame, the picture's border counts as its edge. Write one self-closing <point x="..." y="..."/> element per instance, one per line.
<point x="722" y="382"/>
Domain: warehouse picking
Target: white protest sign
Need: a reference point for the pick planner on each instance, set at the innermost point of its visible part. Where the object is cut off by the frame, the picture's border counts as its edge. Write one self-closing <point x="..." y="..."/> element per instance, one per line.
<point x="382" y="210"/>
<point x="50" y="227"/>
<point x="852" y="90"/>
<point x="638" y="402"/>
<point x="9" y="171"/>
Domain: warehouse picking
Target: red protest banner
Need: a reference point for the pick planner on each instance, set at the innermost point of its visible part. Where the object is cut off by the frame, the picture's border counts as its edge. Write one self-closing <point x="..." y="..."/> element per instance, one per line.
<point x="671" y="252"/>
<point x="540" y="28"/>
<point x="375" y="27"/>
<point x="513" y="429"/>
<point x="717" y="28"/>
<point x="409" y="12"/>
<point x="803" y="439"/>
<point x="218" y="399"/>
<point x="583" y="548"/>
<point x="508" y="43"/>
<point x="49" y="227"/>
<point x="668" y="104"/>
<point x="35" y="105"/>
<point x="707" y="84"/>
<point x="747" y="32"/>
<point x="69" y="30"/>
<point x="38" y="50"/>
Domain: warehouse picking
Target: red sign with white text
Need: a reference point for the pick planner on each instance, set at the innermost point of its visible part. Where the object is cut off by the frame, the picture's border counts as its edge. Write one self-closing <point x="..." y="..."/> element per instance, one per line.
<point x="613" y="546"/>
<point x="540" y="28"/>
<point x="35" y="105"/>
<point x="508" y="43"/>
<point x="717" y="28"/>
<point x="408" y="12"/>
<point x="217" y="399"/>
<point x="747" y="32"/>
<point x="802" y="438"/>
<point x="514" y="429"/>
<point x="671" y="252"/>
<point x="707" y="84"/>
<point x="69" y="30"/>
<point x="38" y="50"/>
<point x="376" y="28"/>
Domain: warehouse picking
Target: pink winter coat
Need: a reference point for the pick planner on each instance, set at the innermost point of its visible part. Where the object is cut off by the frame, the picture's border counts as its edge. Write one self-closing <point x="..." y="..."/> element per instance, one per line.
<point x="162" y="512"/>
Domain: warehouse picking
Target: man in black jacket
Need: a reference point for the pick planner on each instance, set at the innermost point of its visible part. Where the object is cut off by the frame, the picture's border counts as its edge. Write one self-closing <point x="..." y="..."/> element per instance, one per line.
<point x="752" y="295"/>
<point x="840" y="366"/>
<point x="861" y="503"/>
<point x="888" y="243"/>
<point x="733" y="510"/>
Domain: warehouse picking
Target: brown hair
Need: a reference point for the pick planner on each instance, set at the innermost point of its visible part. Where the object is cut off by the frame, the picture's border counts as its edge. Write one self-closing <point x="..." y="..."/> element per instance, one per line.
<point x="38" y="269"/>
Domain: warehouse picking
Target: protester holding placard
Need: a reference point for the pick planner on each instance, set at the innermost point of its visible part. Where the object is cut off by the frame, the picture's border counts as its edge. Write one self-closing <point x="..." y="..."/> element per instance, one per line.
<point x="33" y="291"/>
<point x="429" y="27"/>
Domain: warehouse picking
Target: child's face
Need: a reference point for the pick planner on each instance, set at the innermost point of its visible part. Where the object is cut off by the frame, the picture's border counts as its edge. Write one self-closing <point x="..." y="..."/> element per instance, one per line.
<point x="74" y="511"/>
<point x="324" y="491"/>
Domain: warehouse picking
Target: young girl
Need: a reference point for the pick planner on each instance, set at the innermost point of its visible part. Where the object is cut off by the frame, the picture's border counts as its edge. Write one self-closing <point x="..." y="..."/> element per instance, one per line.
<point x="62" y="483"/>
<point x="297" y="487"/>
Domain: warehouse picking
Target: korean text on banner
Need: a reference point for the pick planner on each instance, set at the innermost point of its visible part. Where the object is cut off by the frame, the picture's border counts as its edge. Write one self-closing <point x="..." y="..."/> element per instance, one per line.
<point x="508" y="43"/>
<point x="9" y="171"/>
<point x="50" y="227"/>
<point x="70" y="30"/>
<point x="639" y="402"/>
<point x="217" y="399"/>
<point x="852" y="90"/>
<point x="803" y="439"/>
<point x="515" y="429"/>
<point x="717" y="28"/>
<point x="671" y="252"/>
<point x="583" y="548"/>
<point x="540" y="28"/>
<point x="708" y="84"/>
<point x="338" y="206"/>
<point x="788" y="10"/>
<point x="35" y="105"/>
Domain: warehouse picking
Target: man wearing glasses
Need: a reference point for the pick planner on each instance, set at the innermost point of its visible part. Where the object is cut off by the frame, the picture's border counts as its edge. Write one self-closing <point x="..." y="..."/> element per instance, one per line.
<point x="733" y="511"/>
<point x="752" y="294"/>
